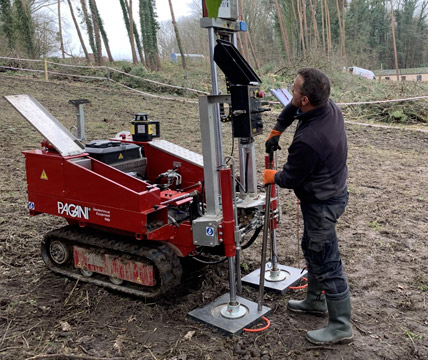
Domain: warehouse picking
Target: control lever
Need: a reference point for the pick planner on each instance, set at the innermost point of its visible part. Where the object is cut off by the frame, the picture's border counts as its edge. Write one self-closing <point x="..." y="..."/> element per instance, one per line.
<point x="260" y="110"/>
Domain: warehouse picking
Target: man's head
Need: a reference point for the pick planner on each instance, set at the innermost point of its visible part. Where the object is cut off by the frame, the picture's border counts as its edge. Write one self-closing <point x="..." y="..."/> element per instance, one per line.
<point x="311" y="89"/>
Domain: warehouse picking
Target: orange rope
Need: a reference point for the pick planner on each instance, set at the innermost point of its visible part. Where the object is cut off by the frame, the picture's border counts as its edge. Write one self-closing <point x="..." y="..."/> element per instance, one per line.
<point x="301" y="286"/>
<point x="260" y="329"/>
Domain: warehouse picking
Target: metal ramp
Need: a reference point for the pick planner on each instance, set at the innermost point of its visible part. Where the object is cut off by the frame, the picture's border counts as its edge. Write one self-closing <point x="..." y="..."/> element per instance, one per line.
<point x="61" y="139"/>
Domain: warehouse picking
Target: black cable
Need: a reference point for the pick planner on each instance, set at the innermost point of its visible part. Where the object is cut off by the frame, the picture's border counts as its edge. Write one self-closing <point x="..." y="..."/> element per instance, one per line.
<point x="209" y="262"/>
<point x="253" y="238"/>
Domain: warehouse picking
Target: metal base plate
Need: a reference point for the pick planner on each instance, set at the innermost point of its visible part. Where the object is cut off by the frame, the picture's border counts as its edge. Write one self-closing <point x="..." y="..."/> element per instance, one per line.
<point x="211" y="315"/>
<point x="292" y="278"/>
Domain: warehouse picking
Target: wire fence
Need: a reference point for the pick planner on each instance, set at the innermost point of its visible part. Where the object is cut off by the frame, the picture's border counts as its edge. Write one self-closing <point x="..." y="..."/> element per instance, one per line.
<point x="122" y="79"/>
<point x="106" y="74"/>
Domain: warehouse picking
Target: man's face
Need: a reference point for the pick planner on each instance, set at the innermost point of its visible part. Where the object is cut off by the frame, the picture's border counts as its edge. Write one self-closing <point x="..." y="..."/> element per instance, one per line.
<point x="298" y="99"/>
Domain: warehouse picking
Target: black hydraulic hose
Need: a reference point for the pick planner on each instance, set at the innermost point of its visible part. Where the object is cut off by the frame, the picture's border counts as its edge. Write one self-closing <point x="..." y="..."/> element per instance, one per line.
<point x="253" y="238"/>
<point x="209" y="262"/>
<point x="245" y="246"/>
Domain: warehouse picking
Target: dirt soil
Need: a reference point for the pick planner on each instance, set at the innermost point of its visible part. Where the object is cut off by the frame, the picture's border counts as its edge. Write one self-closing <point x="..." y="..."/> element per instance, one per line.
<point x="382" y="235"/>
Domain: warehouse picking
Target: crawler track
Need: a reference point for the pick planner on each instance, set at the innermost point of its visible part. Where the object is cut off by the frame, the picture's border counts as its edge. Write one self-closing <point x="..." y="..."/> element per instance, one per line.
<point x="167" y="264"/>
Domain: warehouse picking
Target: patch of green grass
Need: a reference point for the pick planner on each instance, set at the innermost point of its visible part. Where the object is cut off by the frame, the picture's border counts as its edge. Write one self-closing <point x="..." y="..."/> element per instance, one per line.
<point x="423" y="287"/>
<point x="412" y="336"/>
<point x="375" y="225"/>
<point x="244" y="266"/>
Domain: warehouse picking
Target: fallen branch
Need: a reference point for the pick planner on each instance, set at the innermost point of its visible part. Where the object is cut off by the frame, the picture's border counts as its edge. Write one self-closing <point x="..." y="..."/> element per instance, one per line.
<point x="70" y="357"/>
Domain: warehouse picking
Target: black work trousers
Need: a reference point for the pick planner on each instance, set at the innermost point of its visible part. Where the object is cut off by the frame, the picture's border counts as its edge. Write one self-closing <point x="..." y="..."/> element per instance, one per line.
<point x="320" y="246"/>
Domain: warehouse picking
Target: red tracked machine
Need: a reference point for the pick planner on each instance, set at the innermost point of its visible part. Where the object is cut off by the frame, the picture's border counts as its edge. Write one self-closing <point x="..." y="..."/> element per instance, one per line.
<point x="136" y="205"/>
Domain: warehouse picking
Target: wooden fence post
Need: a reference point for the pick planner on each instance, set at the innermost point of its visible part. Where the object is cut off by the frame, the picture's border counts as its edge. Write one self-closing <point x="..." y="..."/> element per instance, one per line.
<point x="46" y="70"/>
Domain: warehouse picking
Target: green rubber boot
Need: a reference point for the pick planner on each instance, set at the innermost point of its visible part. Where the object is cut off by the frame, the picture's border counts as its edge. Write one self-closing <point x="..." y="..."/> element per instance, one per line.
<point x="339" y="329"/>
<point x="314" y="303"/>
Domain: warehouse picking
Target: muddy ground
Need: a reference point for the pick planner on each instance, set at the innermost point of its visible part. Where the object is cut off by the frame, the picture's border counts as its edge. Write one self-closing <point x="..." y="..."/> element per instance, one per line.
<point x="383" y="241"/>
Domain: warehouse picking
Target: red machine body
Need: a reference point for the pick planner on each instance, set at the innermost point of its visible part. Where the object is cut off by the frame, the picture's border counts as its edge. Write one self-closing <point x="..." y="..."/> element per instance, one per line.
<point x="88" y="192"/>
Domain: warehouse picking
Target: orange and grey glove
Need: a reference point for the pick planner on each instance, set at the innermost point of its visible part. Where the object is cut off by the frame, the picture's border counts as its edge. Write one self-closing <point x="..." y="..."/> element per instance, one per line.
<point x="269" y="176"/>
<point x="272" y="141"/>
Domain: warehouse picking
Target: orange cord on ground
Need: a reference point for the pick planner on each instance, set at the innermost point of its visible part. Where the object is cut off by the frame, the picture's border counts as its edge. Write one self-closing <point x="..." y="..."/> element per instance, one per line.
<point x="260" y="329"/>
<point x="301" y="286"/>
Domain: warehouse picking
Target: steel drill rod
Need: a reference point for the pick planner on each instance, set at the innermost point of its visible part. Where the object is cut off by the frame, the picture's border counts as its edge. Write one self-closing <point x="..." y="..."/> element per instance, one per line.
<point x="238" y="271"/>
<point x="274" y="255"/>
<point x="232" y="281"/>
<point x="273" y="247"/>
<point x="264" y="246"/>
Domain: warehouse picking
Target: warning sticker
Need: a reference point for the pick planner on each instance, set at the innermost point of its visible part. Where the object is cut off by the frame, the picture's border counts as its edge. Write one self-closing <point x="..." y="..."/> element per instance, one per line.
<point x="43" y="176"/>
<point x="120" y="156"/>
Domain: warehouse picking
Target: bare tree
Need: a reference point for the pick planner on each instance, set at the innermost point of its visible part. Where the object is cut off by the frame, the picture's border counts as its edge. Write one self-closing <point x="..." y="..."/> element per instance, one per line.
<point x="99" y="21"/>
<point x="131" y="34"/>
<point x="243" y="35"/>
<point x="60" y="30"/>
<point x="125" y="10"/>
<point x="314" y="25"/>
<point x="283" y="30"/>
<point x="341" y="19"/>
<point x="301" y="29"/>
<point x="89" y="28"/>
<point x="79" y="34"/>
<point x="394" y="44"/>
<point x="177" y="36"/>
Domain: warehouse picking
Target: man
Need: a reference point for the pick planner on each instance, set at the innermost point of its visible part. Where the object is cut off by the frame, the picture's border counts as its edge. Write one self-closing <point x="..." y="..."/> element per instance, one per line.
<point x="316" y="170"/>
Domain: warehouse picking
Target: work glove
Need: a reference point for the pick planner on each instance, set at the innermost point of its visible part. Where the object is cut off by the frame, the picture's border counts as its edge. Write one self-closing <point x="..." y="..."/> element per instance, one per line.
<point x="269" y="176"/>
<point x="272" y="141"/>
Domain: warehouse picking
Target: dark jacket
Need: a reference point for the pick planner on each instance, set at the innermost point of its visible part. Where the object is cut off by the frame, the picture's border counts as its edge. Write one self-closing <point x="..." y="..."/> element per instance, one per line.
<point x="316" y="166"/>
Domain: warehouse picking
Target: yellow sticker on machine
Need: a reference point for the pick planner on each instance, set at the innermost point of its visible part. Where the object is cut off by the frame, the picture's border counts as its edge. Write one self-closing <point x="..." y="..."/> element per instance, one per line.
<point x="120" y="156"/>
<point x="150" y="129"/>
<point x="43" y="176"/>
<point x="133" y="130"/>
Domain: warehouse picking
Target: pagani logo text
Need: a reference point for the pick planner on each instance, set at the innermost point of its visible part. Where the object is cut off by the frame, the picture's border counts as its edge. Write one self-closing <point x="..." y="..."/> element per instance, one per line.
<point x="75" y="211"/>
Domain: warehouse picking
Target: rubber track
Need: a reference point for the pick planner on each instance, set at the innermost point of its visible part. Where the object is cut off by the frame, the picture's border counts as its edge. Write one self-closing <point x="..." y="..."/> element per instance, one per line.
<point x="161" y="256"/>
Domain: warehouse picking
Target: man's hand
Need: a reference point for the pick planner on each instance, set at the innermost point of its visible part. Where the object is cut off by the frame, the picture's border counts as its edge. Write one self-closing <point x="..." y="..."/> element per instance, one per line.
<point x="272" y="141"/>
<point x="269" y="176"/>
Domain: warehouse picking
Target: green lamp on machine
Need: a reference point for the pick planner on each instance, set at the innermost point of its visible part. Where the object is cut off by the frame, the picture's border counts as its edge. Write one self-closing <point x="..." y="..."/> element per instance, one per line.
<point x="143" y="129"/>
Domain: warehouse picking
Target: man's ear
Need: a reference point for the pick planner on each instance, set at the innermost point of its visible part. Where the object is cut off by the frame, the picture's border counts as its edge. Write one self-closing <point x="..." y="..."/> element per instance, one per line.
<point x="305" y="100"/>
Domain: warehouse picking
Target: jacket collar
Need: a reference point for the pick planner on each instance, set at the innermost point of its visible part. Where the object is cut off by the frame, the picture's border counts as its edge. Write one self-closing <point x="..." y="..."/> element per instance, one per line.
<point x="314" y="113"/>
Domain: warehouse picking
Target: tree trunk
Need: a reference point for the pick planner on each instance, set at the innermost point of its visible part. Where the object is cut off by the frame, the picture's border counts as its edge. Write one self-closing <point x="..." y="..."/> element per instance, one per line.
<point x="244" y="35"/>
<point x="98" y="44"/>
<point x="253" y="52"/>
<point x="125" y="11"/>
<point x="305" y="24"/>
<point x="102" y="30"/>
<point x="301" y="30"/>
<point x="283" y="30"/>
<point x="61" y="42"/>
<point x="394" y="44"/>
<point x="340" y="27"/>
<point x="26" y="27"/>
<point x="293" y="49"/>
<point x="131" y="34"/>
<point x="314" y="25"/>
<point x="323" y="28"/>
<point x="89" y="28"/>
<point x="328" y="28"/>
<point x="7" y="26"/>
<point x="344" y="31"/>
<point x="79" y="34"/>
<point x="177" y="36"/>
